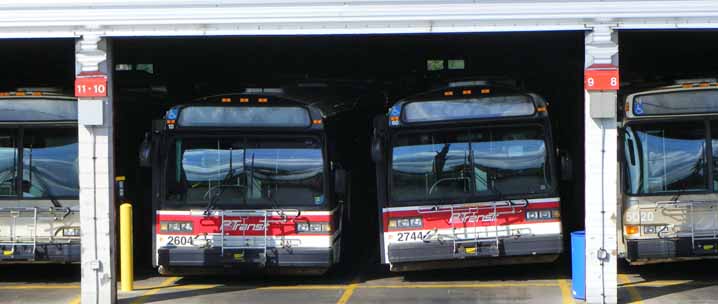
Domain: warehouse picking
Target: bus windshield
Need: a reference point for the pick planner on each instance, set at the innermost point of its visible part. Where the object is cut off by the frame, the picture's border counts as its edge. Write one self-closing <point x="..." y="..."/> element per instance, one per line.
<point x="245" y="172"/>
<point x="49" y="163"/>
<point x="665" y="157"/>
<point x="465" y="164"/>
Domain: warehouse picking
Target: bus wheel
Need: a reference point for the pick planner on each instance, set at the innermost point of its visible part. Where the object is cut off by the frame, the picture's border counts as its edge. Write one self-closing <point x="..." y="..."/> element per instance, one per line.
<point x="162" y="270"/>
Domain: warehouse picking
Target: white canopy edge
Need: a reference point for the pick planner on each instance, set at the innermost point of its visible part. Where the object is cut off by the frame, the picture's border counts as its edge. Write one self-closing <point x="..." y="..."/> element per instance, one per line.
<point x="65" y="18"/>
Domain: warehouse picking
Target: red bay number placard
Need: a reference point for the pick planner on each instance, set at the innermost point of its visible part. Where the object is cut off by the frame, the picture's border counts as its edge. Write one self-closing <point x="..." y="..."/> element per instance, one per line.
<point x="601" y="77"/>
<point x="91" y="85"/>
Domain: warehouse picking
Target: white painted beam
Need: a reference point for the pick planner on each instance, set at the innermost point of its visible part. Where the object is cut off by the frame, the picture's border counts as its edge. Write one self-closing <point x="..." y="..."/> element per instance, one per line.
<point x="70" y="18"/>
<point x="601" y="176"/>
<point x="97" y="206"/>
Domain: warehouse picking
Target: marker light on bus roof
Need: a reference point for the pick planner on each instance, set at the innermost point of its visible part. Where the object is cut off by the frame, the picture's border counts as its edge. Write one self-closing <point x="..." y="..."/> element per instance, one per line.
<point x="226" y="99"/>
<point x="696" y="80"/>
<point x="317" y="121"/>
<point x="264" y="90"/>
<point x="243" y="100"/>
<point x="466" y="92"/>
<point x="449" y="93"/>
<point x="485" y="91"/>
<point x="262" y="100"/>
<point x="21" y="93"/>
<point x="540" y="109"/>
<point x="469" y="83"/>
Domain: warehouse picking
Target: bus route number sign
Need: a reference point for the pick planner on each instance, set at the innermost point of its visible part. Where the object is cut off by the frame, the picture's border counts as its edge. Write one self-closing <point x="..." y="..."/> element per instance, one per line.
<point x="91" y="86"/>
<point x="602" y="78"/>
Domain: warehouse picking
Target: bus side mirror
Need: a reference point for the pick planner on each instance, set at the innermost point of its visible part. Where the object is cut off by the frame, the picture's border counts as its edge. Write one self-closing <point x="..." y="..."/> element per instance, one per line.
<point x="145" y="152"/>
<point x="340" y="181"/>
<point x="566" y="165"/>
<point x="377" y="149"/>
<point x="377" y="139"/>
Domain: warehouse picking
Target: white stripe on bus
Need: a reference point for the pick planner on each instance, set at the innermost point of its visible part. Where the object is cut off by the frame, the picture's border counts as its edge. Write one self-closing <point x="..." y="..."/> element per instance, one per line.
<point x="528" y="230"/>
<point x="530" y="201"/>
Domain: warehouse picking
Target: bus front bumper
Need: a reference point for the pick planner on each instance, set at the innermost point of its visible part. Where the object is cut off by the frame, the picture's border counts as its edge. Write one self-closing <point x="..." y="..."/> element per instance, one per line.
<point x="674" y="248"/>
<point x="446" y="250"/>
<point x="245" y="258"/>
<point x="44" y="253"/>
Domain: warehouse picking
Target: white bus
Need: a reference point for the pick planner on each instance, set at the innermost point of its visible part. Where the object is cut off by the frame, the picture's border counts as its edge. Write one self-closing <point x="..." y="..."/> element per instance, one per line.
<point x="669" y="173"/>
<point x="39" y="210"/>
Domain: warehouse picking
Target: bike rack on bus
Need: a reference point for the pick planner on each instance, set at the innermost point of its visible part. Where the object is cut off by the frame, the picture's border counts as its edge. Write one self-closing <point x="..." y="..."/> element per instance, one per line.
<point x="264" y="243"/>
<point x="14" y="213"/>
<point x="691" y="209"/>
<point x="478" y="239"/>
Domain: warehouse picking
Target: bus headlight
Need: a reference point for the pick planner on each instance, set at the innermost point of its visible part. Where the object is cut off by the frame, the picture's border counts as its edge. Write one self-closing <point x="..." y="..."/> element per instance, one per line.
<point x="408" y="222"/>
<point x="184" y="227"/>
<point x="71" y="231"/>
<point x="313" y="227"/>
<point x="544" y="214"/>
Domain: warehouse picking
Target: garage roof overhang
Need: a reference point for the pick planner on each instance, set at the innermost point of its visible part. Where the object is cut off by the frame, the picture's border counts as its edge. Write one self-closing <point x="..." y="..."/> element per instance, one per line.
<point x="73" y="18"/>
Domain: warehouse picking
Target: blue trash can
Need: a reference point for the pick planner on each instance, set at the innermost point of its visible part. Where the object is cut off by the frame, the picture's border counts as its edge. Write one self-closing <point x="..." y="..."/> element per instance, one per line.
<point x="578" y="264"/>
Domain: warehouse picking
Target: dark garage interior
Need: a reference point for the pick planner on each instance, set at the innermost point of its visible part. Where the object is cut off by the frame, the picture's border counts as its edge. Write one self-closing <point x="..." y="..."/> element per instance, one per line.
<point x="157" y="73"/>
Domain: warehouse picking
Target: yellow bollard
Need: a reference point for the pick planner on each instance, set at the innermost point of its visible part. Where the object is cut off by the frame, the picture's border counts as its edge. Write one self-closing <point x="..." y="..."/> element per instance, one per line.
<point x="126" y="261"/>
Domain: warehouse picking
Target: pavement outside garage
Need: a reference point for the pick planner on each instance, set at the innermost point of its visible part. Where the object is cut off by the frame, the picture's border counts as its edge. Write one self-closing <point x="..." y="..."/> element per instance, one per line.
<point x="689" y="282"/>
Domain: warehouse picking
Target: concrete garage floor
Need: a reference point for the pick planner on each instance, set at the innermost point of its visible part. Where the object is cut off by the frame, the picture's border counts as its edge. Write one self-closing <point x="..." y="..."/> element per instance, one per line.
<point x="690" y="282"/>
<point x="40" y="283"/>
<point x="685" y="283"/>
<point x="537" y="285"/>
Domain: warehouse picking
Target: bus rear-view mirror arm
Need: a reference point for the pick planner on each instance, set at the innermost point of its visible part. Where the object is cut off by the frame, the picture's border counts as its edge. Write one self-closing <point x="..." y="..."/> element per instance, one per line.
<point x="566" y="162"/>
<point x="377" y="139"/>
<point x="145" y="151"/>
<point x="340" y="181"/>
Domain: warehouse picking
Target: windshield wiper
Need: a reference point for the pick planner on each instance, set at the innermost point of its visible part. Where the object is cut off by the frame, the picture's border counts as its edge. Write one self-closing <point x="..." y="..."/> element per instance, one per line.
<point x="54" y="200"/>
<point x="214" y="199"/>
<point x="440" y="161"/>
<point x="49" y="195"/>
<point x="684" y="186"/>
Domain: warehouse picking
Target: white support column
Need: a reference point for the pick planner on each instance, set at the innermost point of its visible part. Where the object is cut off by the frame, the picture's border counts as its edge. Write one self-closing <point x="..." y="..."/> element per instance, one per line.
<point x="601" y="174"/>
<point x="97" y="206"/>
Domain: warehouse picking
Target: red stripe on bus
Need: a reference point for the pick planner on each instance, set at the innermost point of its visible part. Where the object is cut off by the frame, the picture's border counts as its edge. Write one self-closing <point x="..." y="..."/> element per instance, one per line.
<point x="243" y="225"/>
<point x="466" y="217"/>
